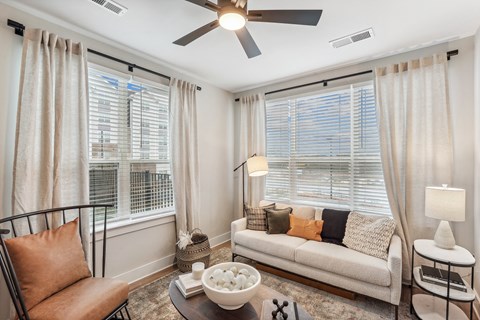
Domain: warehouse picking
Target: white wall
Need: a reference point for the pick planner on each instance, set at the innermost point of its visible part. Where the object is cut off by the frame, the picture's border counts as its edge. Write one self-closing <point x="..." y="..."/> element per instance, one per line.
<point x="462" y="105"/>
<point x="476" y="175"/>
<point x="138" y="250"/>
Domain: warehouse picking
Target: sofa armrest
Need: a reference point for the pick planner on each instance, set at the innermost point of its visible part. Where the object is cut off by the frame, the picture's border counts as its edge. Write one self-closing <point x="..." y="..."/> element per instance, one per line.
<point x="394" y="263"/>
<point x="237" y="225"/>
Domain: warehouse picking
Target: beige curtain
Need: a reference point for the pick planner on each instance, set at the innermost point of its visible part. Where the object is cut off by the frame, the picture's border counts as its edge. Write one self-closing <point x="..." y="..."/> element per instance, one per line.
<point x="416" y="141"/>
<point x="251" y="130"/>
<point x="184" y="153"/>
<point x="51" y="146"/>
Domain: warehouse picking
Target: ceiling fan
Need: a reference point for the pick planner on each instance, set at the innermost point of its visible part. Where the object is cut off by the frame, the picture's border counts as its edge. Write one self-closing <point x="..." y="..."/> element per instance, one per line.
<point x="233" y="14"/>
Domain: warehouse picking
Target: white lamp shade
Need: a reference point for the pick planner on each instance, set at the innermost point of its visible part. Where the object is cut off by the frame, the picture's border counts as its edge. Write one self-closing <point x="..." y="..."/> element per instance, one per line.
<point x="257" y="166"/>
<point x="445" y="203"/>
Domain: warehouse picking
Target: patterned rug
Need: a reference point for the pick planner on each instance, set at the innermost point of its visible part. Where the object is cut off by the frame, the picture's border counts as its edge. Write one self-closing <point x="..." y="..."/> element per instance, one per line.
<point x="152" y="301"/>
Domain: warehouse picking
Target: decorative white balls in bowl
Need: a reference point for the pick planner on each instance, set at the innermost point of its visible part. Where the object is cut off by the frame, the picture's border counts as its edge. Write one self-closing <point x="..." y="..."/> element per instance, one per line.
<point x="231" y="284"/>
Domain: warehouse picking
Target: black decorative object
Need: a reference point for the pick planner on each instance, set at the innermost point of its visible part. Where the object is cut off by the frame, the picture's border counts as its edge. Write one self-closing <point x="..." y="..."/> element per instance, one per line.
<point x="279" y="309"/>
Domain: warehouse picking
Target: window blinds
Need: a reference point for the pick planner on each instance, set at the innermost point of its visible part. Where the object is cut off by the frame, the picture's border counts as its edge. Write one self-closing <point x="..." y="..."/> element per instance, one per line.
<point x="129" y="144"/>
<point x="323" y="150"/>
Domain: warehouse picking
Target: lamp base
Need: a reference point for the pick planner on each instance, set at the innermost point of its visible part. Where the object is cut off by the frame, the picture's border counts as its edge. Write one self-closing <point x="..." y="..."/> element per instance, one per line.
<point x="444" y="236"/>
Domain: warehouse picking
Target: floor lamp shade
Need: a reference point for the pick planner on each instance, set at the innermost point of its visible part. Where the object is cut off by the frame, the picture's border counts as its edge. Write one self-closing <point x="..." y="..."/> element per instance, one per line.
<point x="445" y="204"/>
<point x="257" y="166"/>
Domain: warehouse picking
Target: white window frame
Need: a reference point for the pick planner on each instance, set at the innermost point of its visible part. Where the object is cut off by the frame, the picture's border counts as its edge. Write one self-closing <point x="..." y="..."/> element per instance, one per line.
<point x="124" y="216"/>
<point x="293" y="159"/>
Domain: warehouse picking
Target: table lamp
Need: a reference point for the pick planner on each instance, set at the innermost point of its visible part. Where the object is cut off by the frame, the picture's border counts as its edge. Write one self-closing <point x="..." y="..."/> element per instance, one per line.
<point x="446" y="204"/>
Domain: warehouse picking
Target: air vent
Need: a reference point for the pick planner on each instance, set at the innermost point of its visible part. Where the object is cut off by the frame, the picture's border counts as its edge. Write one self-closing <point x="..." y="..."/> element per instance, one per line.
<point x="354" y="37"/>
<point x="111" y="6"/>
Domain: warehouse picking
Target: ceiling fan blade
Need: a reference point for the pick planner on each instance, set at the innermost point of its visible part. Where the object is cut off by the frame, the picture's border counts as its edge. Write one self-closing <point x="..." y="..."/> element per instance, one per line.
<point x="303" y="17"/>
<point x="206" y="4"/>
<point x="247" y="42"/>
<point x="194" y="35"/>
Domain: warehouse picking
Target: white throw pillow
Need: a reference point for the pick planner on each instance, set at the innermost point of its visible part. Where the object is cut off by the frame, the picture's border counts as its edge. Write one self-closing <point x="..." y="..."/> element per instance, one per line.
<point x="369" y="234"/>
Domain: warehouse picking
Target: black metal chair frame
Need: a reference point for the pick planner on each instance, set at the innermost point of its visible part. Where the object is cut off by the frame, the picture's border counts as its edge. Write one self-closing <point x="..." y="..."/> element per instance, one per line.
<point x="8" y="271"/>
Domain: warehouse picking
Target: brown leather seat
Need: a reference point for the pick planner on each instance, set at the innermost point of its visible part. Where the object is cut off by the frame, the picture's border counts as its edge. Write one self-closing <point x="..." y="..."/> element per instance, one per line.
<point x="87" y="299"/>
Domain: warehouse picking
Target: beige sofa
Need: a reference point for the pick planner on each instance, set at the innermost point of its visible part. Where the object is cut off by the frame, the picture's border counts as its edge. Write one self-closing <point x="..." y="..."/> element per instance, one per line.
<point x="325" y="262"/>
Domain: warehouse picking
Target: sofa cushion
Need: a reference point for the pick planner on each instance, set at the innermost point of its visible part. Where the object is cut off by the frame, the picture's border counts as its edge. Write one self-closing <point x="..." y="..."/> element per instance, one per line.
<point x="278" y="220"/>
<point x="307" y="229"/>
<point x="334" y="223"/>
<point x="343" y="261"/>
<point x="87" y="299"/>
<point x="279" y="245"/>
<point x="257" y="217"/>
<point x="369" y="234"/>
<point x="48" y="261"/>
<point x="299" y="211"/>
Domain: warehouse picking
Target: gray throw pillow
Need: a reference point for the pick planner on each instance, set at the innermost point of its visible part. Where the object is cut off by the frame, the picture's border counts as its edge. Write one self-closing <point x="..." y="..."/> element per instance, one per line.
<point x="278" y="220"/>
<point x="256" y="217"/>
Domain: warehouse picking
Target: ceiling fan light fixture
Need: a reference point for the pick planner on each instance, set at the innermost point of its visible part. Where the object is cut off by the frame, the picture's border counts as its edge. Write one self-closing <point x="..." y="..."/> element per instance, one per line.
<point x="232" y="20"/>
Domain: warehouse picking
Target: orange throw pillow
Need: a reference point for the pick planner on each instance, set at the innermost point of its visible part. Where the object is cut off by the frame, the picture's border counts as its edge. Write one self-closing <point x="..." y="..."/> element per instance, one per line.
<point x="307" y="229"/>
<point x="48" y="262"/>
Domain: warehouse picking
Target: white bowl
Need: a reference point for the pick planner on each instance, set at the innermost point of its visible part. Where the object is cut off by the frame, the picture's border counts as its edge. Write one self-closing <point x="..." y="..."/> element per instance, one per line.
<point x="230" y="300"/>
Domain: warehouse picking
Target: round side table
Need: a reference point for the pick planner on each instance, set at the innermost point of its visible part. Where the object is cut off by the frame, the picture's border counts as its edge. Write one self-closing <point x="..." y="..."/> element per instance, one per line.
<point x="437" y="303"/>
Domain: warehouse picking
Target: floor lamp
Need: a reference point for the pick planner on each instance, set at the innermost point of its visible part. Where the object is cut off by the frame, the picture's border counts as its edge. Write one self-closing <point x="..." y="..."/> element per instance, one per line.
<point x="257" y="166"/>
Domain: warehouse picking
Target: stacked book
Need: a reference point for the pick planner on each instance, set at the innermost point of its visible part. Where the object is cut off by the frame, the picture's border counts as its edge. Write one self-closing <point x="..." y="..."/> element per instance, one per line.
<point x="440" y="277"/>
<point x="188" y="286"/>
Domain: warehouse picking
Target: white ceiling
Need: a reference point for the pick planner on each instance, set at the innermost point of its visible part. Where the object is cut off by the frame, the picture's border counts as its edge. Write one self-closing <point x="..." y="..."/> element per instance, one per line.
<point x="150" y="26"/>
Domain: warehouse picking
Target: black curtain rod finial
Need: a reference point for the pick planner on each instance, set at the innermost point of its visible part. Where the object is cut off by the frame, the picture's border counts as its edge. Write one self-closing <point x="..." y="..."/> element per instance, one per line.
<point x="19" y="28"/>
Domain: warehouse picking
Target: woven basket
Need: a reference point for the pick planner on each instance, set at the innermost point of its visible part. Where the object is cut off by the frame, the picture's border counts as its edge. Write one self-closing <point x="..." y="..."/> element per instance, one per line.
<point x="198" y="251"/>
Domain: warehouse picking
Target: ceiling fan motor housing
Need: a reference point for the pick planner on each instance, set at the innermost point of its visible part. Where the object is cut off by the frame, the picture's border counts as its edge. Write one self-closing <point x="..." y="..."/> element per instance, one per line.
<point x="232" y="18"/>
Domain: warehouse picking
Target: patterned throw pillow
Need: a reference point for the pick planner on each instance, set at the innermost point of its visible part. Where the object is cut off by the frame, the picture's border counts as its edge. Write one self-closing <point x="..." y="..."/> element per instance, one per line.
<point x="369" y="234"/>
<point x="257" y="217"/>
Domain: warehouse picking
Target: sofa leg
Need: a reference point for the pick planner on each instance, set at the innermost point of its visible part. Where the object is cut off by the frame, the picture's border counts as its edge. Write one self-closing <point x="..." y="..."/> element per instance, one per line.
<point x="396" y="312"/>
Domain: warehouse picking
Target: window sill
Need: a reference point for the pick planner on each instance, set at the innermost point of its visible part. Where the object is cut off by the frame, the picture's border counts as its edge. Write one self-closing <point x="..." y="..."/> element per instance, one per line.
<point x="122" y="227"/>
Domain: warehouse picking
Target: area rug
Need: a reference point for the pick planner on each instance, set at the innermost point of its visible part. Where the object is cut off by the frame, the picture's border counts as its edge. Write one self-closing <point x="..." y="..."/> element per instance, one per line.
<point x="152" y="301"/>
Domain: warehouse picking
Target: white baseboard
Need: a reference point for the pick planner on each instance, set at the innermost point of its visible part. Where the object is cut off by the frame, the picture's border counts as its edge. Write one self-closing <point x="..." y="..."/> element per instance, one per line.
<point x="147" y="269"/>
<point x="163" y="263"/>
<point x="219" y="239"/>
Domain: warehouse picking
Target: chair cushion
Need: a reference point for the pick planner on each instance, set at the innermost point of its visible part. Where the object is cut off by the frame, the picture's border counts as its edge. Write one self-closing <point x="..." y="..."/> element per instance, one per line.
<point x="307" y="229"/>
<point x="278" y="245"/>
<point x="278" y="220"/>
<point x="48" y="261"/>
<point x="257" y="217"/>
<point x="334" y="224"/>
<point x="369" y="234"/>
<point x="343" y="261"/>
<point x="87" y="299"/>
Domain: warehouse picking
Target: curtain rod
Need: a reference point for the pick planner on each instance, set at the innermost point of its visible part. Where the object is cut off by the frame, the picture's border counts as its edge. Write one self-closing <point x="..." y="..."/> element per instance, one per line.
<point x="326" y="81"/>
<point x="20" y="28"/>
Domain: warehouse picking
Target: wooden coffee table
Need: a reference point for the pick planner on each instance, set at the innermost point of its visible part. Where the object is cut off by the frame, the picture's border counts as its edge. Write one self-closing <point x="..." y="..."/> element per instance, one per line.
<point x="199" y="307"/>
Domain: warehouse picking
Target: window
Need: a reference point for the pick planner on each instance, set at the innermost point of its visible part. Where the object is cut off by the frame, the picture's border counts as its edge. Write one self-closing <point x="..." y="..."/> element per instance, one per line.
<point x="323" y="149"/>
<point x="129" y="145"/>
